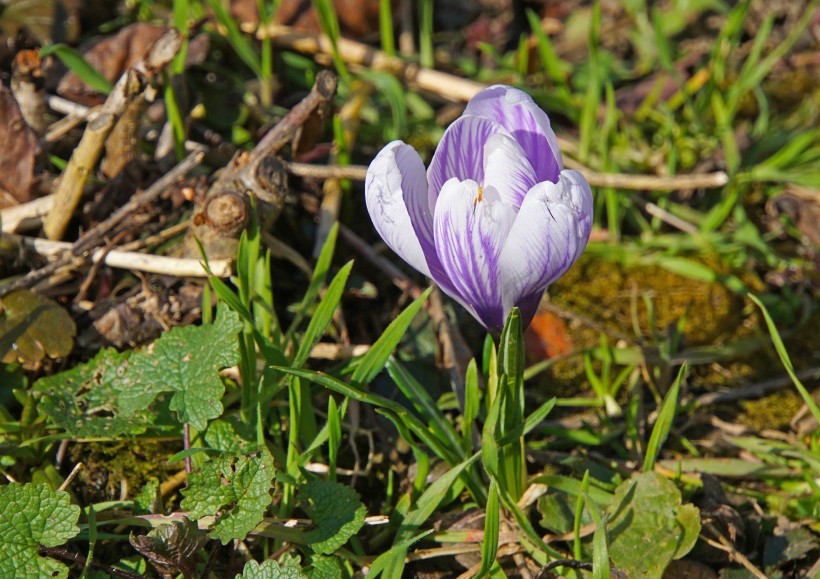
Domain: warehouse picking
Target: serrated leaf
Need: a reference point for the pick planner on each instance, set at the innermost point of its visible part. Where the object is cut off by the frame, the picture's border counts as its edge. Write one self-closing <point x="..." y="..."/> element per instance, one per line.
<point x="233" y="487"/>
<point x="148" y="500"/>
<point x="325" y="568"/>
<point x="34" y="515"/>
<point x="336" y="510"/>
<point x="271" y="569"/>
<point x="185" y="361"/>
<point x="648" y="525"/>
<point x="83" y="401"/>
<point x="230" y="434"/>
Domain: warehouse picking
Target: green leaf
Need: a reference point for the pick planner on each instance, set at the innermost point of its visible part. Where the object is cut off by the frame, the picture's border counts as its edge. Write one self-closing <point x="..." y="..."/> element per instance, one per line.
<point x="785" y="360"/>
<point x="326" y="568"/>
<point x="336" y="510"/>
<point x="664" y="422"/>
<point x="648" y="525"/>
<point x="489" y="548"/>
<point x="323" y="316"/>
<point x="425" y="506"/>
<point x="84" y="401"/>
<point x="394" y="556"/>
<point x="236" y="489"/>
<point x="79" y="65"/>
<point x="271" y="569"/>
<point x="600" y="551"/>
<point x="185" y="361"/>
<point x="34" y="515"/>
<point x="375" y="359"/>
<point x="426" y="407"/>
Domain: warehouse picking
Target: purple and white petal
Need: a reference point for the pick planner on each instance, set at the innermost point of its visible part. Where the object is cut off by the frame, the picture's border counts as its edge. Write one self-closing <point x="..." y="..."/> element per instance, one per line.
<point x="550" y="232"/>
<point x="507" y="170"/>
<point x="396" y="193"/>
<point x="529" y="125"/>
<point x="460" y="154"/>
<point x="470" y="228"/>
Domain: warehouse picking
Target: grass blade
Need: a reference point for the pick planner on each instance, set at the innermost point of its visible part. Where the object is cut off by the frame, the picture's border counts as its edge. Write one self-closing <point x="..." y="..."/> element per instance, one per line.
<point x="785" y="360"/>
<point x="375" y="359"/>
<point x="664" y="422"/>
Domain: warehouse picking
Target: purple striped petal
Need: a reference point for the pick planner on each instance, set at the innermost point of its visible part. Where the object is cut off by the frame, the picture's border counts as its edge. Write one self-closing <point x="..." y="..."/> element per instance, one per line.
<point x="470" y="228"/>
<point x="396" y="197"/>
<point x="529" y="125"/>
<point x="507" y="170"/>
<point x="549" y="234"/>
<point x="460" y="154"/>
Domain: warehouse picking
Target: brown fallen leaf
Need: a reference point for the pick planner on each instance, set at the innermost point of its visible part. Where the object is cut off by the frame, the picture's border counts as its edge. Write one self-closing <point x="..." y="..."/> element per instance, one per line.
<point x="547" y="336"/>
<point x="33" y="327"/>
<point x="113" y="55"/>
<point x="357" y="18"/>
<point x="19" y="152"/>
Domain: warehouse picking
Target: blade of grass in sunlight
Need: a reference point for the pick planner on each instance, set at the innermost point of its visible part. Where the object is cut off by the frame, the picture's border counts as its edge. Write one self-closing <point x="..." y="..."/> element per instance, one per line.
<point x="386" y="27"/>
<point x="240" y="42"/>
<point x="267" y="10"/>
<point x="323" y="315"/>
<point x="592" y="98"/>
<point x="334" y="439"/>
<point x="375" y="359"/>
<point x="489" y="547"/>
<point x="425" y="406"/>
<point x="663" y="424"/>
<point x="175" y="77"/>
<point x="317" y="280"/>
<point x="600" y="547"/>
<point x="329" y="23"/>
<point x="780" y="348"/>
<point x="394" y="557"/>
<point x="576" y="520"/>
<point x="472" y="404"/>
<point x="511" y="369"/>
<point x="79" y="66"/>
<point x="426" y="34"/>
<point x="555" y="68"/>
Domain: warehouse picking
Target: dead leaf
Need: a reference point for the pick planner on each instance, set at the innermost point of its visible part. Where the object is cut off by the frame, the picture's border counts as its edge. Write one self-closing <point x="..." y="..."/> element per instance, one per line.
<point x="172" y="548"/>
<point x="547" y="336"/>
<point x="33" y="327"/>
<point x="113" y="55"/>
<point x="49" y="21"/>
<point x="357" y="18"/>
<point x="19" y="150"/>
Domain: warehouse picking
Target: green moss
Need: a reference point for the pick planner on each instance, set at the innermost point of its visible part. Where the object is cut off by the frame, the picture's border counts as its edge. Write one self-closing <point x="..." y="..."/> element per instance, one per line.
<point x="110" y="467"/>
<point x="770" y="412"/>
<point x="614" y="295"/>
<point x="606" y="295"/>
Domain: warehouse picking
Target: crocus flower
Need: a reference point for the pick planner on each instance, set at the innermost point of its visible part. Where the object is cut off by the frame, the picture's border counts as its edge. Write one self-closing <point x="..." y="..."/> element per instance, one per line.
<point x="495" y="219"/>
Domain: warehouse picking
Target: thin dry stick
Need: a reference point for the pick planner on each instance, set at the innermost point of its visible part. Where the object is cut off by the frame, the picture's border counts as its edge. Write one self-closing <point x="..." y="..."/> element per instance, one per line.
<point x="85" y="156"/>
<point x="615" y="180"/>
<point x="26" y="216"/>
<point x="725" y="545"/>
<point x="445" y="85"/>
<point x="753" y="390"/>
<point x="70" y="477"/>
<point x="90" y="237"/>
<point x="159" y="264"/>
<point x="76" y="174"/>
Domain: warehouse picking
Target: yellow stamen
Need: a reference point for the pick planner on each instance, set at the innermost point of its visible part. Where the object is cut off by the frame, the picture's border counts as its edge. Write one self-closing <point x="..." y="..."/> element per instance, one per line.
<point x="480" y="196"/>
